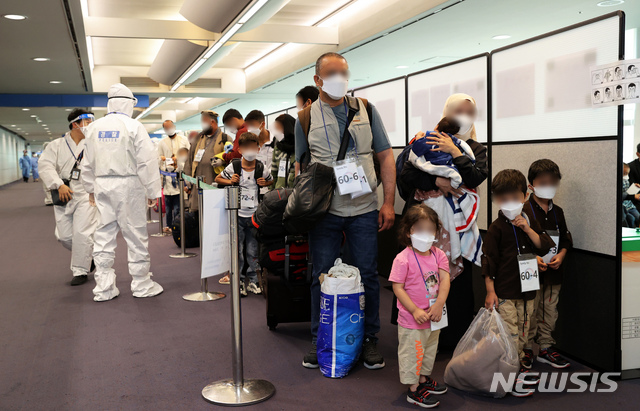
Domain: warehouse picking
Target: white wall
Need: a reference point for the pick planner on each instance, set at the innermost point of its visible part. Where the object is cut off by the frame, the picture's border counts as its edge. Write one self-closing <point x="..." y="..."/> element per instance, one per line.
<point x="11" y="147"/>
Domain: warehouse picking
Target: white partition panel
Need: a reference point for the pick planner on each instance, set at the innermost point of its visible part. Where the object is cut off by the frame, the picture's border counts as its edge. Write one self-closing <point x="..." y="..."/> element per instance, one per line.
<point x="541" y="89"/>
<point x="389" y="100"/>
<point x="428" y="91"/>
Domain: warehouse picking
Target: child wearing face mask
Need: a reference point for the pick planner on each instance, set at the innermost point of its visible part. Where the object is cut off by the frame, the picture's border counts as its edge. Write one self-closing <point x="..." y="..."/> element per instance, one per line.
<point x="284" y="152"/>
<point x="420" y="277"/>
<point x="544" y="177"/>
<point x="509" y="249"/>
<point x="249" y="181"/>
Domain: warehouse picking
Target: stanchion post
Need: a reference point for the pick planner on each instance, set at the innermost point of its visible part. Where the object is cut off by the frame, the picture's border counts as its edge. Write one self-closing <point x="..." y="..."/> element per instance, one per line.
<point x="160" y="224"/>
<point x="236" y="391"/>
<point x="204" y="294"/>
<point x="182" y="229"/>
<point x="149" y="219"/>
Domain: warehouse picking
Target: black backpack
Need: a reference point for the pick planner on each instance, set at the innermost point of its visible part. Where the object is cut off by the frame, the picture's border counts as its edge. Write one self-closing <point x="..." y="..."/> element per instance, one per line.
<point x="191" y="230"/>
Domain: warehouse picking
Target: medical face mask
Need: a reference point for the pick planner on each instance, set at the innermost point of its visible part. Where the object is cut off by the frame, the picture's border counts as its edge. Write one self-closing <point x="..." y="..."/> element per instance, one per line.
<point x="511" y="209"/>
<point x="254" y="130"/>
<point x="231" y="130"/>
<point x="278" y="135"/>
<point x="546" y="193"/>
<point x="250" y="155"/>
<point x="170" y="131"/>
<point x="422" y="241"/>
<point x="625" y="177"/>
<point x="335" y="86"/>
<point x="465" y="123"/>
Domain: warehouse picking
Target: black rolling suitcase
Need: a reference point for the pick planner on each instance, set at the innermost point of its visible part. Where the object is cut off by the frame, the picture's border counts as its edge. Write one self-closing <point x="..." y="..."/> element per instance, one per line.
<point x="288" y="294"/>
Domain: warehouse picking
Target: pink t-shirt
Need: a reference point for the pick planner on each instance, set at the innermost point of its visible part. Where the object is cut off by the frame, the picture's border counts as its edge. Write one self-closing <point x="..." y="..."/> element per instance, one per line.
<point x="406" y="271"/>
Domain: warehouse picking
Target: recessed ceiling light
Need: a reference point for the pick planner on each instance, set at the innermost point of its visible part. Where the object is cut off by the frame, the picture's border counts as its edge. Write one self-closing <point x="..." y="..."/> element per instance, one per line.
<point x="55" y="82"/>
<point x="18" y="128"/>
<point x="68" y="109"/>
<point x="40" y="59"/>
<point x="26" y="109"/>
<point x="501" y="37"/>
<point x="14" y="16"/>
<point x="402" y="67"/>
<point x="609" y="3"/>
<point x="13" y="125"/>
<point x="44" y="125"/>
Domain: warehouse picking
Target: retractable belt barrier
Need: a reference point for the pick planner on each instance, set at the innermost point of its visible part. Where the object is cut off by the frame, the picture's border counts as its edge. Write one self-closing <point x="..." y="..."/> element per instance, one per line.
<point x="236" y="391"/>
<point x="203" y="294"/>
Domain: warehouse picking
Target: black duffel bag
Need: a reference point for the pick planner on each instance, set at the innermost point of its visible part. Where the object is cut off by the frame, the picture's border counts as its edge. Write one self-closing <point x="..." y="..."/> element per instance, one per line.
<point x="310" y="200"/>
<point x="191" y="230"/>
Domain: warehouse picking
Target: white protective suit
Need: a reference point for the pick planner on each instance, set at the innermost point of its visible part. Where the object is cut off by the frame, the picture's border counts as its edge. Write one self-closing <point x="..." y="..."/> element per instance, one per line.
<point x="77" y="220"/>
<point x="121" y="169"/>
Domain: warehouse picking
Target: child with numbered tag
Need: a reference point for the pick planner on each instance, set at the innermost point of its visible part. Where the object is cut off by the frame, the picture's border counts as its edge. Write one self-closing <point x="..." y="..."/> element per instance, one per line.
<point x="420" y="277"/>
<point x="544" y="177"/>
<point x="249" y="174"/>
<point x="509" y="263"/>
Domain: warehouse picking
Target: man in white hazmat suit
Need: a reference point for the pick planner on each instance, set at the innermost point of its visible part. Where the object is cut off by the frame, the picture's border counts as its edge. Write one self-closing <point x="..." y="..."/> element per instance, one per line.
<point x="76" y="221"/>
<point x="121" y="171"/>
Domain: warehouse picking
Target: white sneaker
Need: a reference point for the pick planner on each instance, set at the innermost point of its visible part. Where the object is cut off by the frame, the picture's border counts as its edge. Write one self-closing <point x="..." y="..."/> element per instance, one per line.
<point x="243" y="290"/>
<point x="254" y="288"/>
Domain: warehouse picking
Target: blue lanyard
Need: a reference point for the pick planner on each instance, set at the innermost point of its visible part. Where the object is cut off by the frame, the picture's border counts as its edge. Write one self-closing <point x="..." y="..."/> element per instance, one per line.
<point x="420" y="268"/>
<point x="79" y="158"/>
<point x="346" y="113"/>
<point x="119" y="112"/>
<point x="516" y="234"/>
<point x="554" y="214"/>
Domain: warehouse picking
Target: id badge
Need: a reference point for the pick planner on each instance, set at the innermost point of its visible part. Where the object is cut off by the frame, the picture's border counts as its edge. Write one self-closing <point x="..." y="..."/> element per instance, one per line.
<point x="366" y="188"/>
<point x="443" y="321"/>
<point x="282" y="168"/>
<point x="346" y="172"/>
<point x="555" y="236"/>
<point x="529" y="277"/>
<point x="75" y="173"/>
<point x="169" y="162"/>
<point x="247" y="198"/>
<point x="199" y="155"/>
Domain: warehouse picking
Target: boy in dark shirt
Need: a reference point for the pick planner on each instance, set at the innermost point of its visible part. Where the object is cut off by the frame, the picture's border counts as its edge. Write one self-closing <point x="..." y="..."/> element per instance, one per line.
<point x="544" y="178"/>
<point x="509" y="265"/>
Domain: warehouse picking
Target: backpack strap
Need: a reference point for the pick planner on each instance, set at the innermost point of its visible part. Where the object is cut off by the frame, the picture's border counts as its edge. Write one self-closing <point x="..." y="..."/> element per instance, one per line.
<point x="237" y="166"/>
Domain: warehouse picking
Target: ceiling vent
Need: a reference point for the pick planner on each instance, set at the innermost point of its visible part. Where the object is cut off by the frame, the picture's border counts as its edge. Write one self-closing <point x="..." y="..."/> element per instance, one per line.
<point x="205" y="83"/>
<point x="151" y="117"/>
<point x="142" y="82"/>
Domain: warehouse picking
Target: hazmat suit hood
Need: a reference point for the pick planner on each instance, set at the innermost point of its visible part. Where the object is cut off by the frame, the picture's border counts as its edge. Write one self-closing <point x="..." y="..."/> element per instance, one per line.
<point x="121" y="100"/>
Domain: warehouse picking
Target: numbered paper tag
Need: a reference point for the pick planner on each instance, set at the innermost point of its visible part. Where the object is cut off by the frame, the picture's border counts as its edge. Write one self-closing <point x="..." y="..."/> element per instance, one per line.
<point x="282" y="168"/>
<point x="248" y="198"/>
<point x="555" y="236"/>
<point x="199" y="155"/>
<point x="443" y="321"/>
<point x="75" y="173"/>
<point x="366" y="188"/>
<point x="169" y="162"/>
<point x="346" y="173"/>
<point x="529" y="276"/>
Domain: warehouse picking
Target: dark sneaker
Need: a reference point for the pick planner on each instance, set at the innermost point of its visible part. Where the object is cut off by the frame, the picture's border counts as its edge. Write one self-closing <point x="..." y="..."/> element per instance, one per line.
<point x="93" y="267"/>
<point x="243" y="290"/>
<point x="311" y="358"/>
<point x="520" y="393"/>
<point x="527" y="377"/>
<point x="372" y="359"/>
<point x="527" y="358"/>
<point x="551" y="357"/>
<point x="79" y="280"/>
<point x="422" y="398"/>
<point x="433" y="387"/>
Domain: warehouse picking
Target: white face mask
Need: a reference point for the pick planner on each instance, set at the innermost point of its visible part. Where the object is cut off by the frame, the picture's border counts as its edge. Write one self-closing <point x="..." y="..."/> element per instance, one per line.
<point x="250" y="155"/>
<point x="231" y="130"/>
<point x="205" y="126"/>
<point x="511" y="209"/>
<point x="422" y="241"/>
<point x="625" y="177"/>
<point x="278" y="135"/>
<point x="182" y="159"/>
<point x="255" y="131"/>
<point x="83" y="130"/>
<point x="170" y="131"/>
<point x="465" y="123"/>
<point x="335" y="86"/>
<point x="546" y="193"/>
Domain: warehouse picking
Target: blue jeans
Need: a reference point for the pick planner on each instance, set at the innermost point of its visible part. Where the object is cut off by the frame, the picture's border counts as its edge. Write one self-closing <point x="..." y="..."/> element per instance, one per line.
<point x="633" y="217"/>
<point x="362" y="239"/>
<point x="245" y="235"/>
<point x="172" y="208"/>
